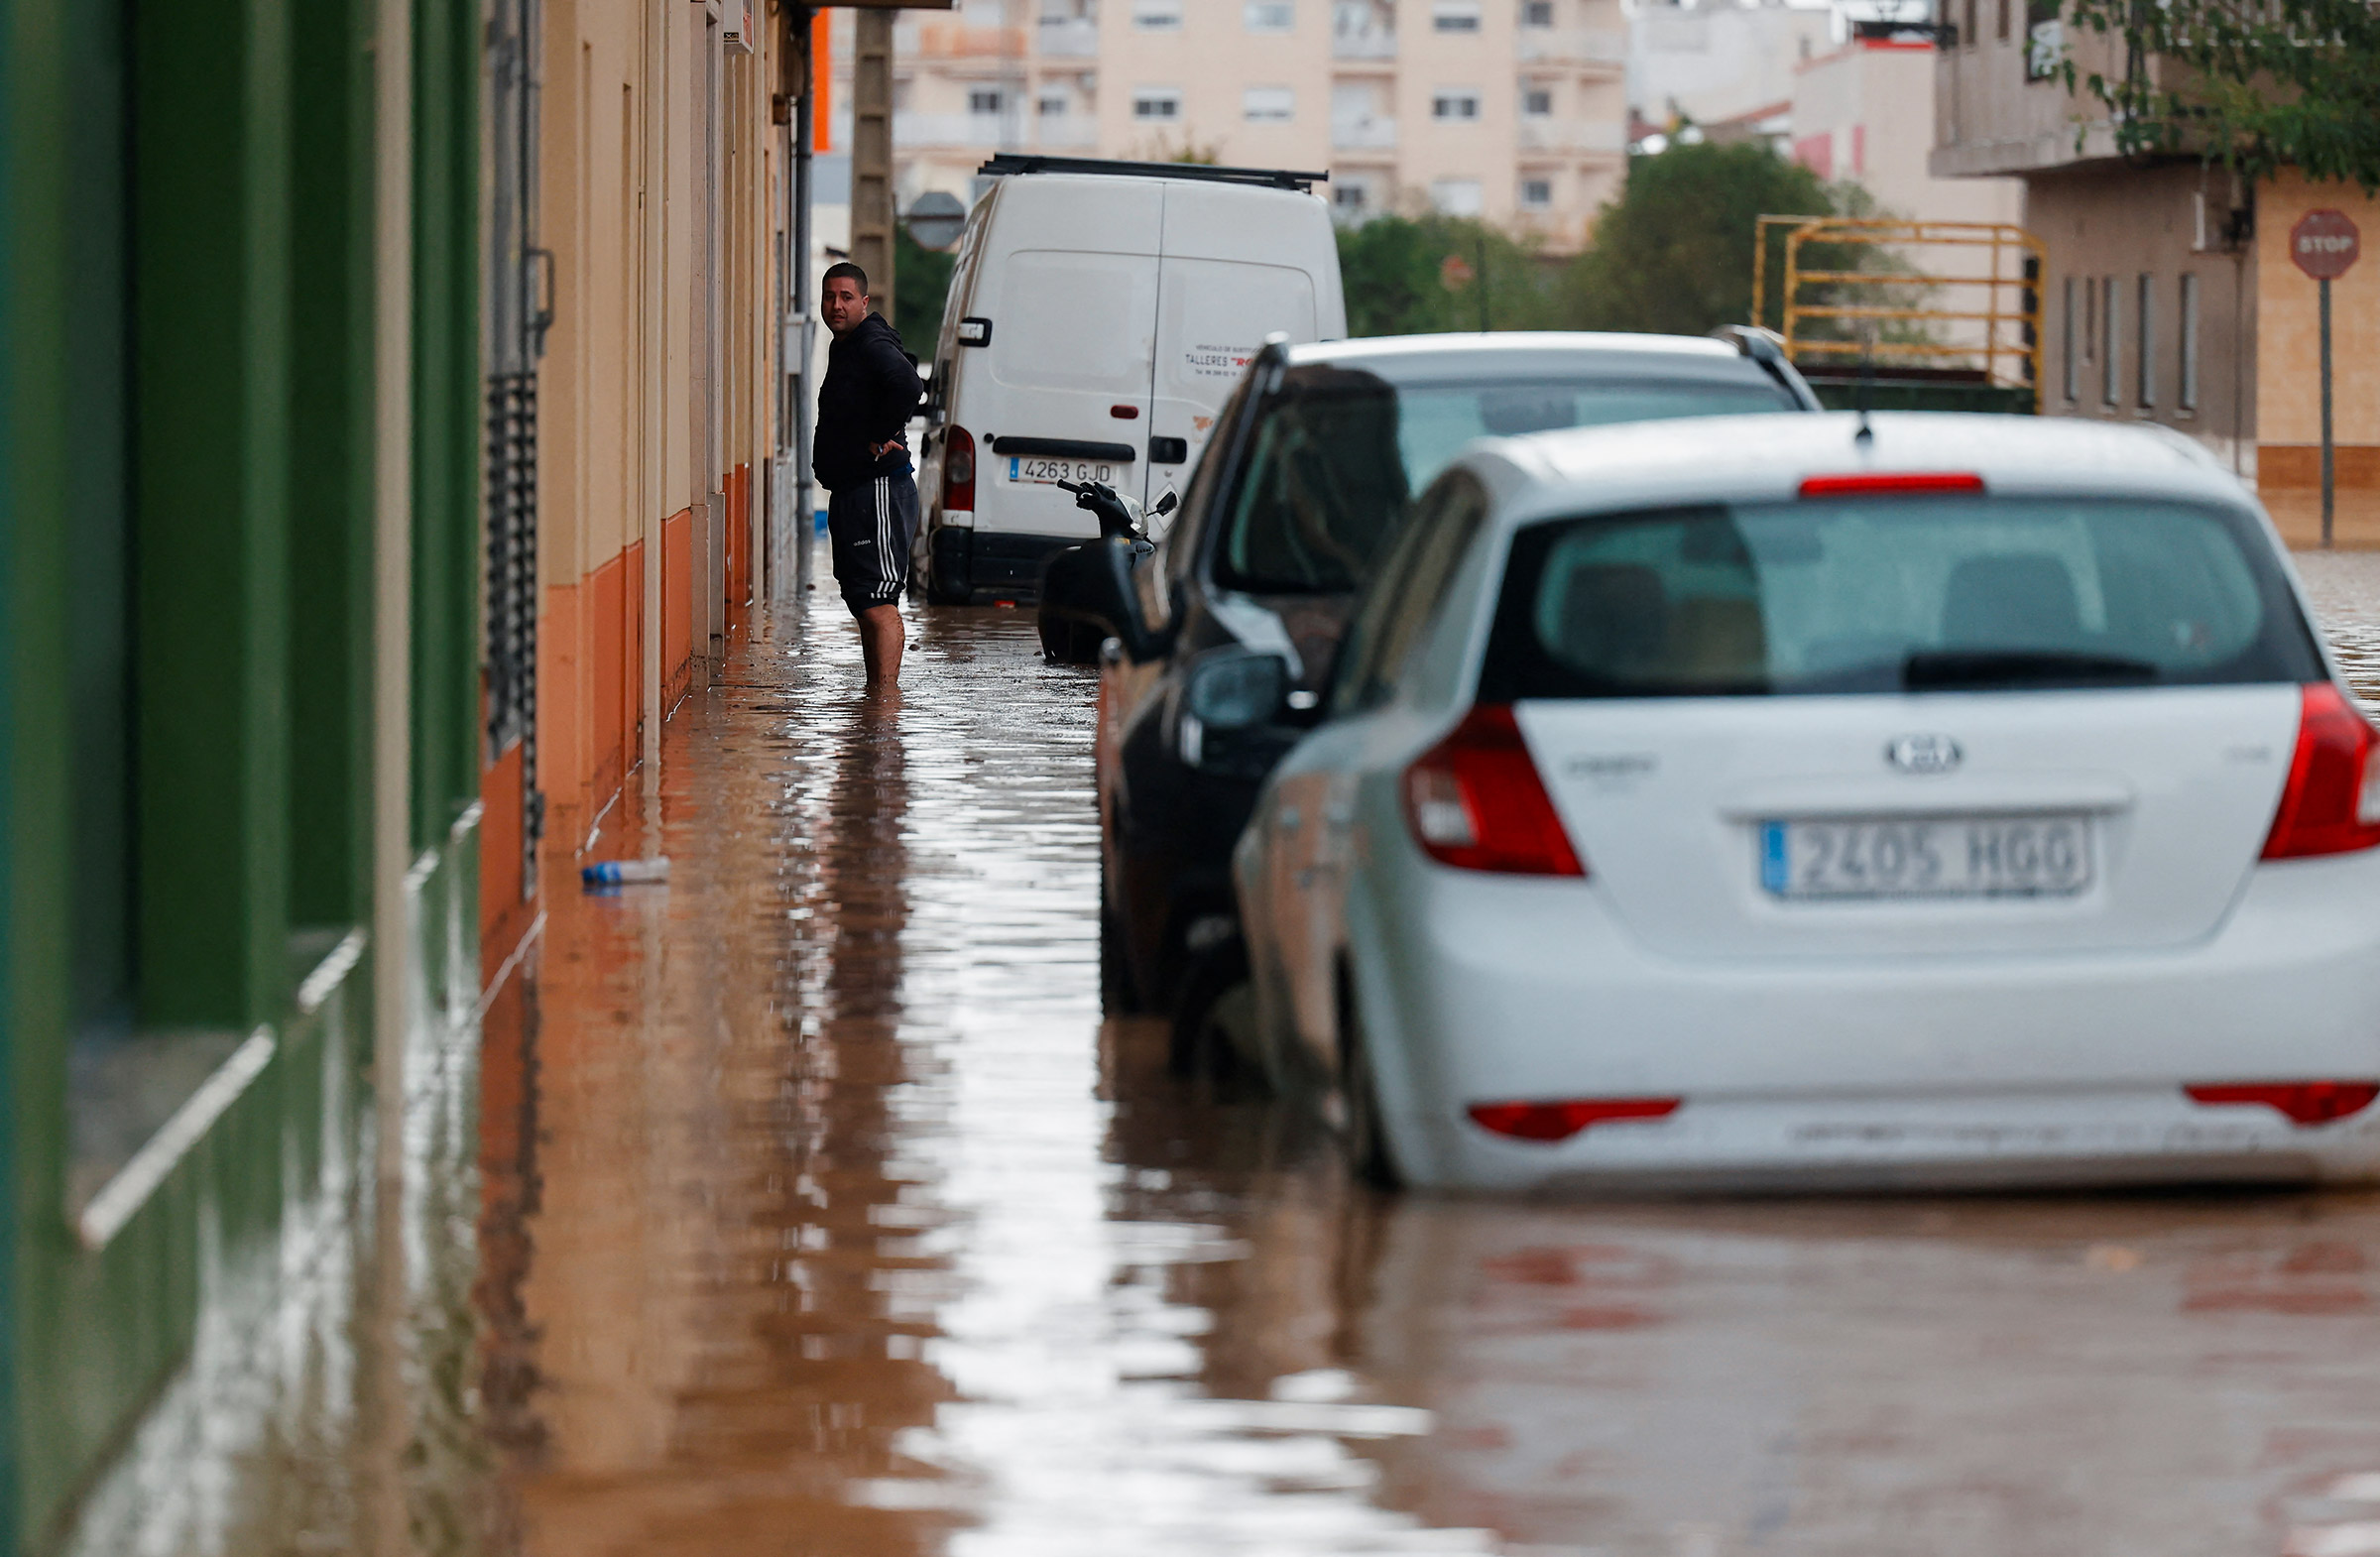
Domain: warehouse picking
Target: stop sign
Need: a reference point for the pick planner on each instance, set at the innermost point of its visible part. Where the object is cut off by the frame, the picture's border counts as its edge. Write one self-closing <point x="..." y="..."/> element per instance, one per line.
<point x="2324" y="244"/>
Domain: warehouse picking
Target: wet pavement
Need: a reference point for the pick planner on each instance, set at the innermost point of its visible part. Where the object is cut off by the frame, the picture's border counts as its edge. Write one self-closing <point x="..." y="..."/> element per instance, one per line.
<point x="818" y="1212"/>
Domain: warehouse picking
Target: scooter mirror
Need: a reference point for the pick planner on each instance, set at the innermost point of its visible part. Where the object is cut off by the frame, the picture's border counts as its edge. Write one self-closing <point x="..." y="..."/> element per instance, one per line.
<point x="1165" y="503"/>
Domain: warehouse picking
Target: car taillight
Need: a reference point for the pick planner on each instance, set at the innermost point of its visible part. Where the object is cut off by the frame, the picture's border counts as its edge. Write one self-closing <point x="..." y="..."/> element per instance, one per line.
<point x="1474" y="800"/>
<point x="2332" y="802"/>
<point x="958" y="470"/>
<point x="1561" y="1121"/>
<point x="2303" y="1102"/>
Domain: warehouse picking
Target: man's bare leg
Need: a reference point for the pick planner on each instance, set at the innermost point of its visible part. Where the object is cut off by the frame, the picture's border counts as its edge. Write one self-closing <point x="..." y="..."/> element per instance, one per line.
<point x="881" y="630"/>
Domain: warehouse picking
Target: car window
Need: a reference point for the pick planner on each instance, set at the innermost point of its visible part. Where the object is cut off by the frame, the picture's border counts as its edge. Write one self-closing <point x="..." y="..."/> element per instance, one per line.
<point x="1338" y="453"/>
<point x="1412" y="583"/>
<point x="1438" y="418"/>
<point x="1893" y="594"/>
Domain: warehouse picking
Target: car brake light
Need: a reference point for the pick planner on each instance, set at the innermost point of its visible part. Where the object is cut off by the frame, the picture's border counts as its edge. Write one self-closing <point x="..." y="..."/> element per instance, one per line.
<point x="2305" y="1102"/>
<point x="1561" y="1121"/>
<point x="1474" y="800"/>
<point x="958" y="470"/>
<point x="1892" y="483"/>
<point x="2332" y="802"/>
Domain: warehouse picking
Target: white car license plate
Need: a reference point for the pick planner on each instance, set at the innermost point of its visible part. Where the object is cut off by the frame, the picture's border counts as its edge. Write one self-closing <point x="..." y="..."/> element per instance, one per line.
<point x="2040" y="855"/>
<point x="1028" y="470"/>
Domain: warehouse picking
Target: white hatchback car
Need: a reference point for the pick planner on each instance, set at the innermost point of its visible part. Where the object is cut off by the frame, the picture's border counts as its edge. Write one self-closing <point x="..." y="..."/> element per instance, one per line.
<point x="1761" y="800"/>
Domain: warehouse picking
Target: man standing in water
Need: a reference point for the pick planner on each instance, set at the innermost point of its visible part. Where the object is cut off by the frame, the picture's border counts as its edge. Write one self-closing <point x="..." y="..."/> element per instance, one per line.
<point x="864" y="410"/>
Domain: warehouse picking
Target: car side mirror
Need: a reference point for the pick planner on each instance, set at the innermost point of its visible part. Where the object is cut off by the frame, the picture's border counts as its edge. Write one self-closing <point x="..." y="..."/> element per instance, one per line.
<point x="1108" y="596"/>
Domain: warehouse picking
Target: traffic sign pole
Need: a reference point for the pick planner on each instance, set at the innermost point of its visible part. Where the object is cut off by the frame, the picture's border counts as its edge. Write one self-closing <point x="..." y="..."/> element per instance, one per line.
<point x="2326" y="443"/>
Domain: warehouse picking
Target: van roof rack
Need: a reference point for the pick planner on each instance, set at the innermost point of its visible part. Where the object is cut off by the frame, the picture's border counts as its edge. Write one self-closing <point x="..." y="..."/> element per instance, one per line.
<point x="1008" y="163"/>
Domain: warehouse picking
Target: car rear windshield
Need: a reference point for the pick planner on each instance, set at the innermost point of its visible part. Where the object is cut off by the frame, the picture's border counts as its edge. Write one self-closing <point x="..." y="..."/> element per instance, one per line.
<point x="1336" y="459"/>
<point x="1892" y="594"/>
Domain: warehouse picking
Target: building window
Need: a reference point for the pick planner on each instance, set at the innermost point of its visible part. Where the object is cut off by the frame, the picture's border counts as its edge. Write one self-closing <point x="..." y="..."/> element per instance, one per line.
<point x="1537" y="13"/>
<point x="1536" y="194"/>
<point x="1156" y="104"/>
<point x="1455" y="15"/>
<point x="1537" y="102"/>
<point x="2144" y="362"/>
<point x="2111" y="340"/>
<point x="1052" y="107"/>
<point x="1165" y="16"/>
<point x="1967" y="31"/>
<point x="1456" y="196"/>
<point x="2189" y="335"/>
<point x="1268" y="105"/>
<point x="984" y="100"/>
<point x="2000" y="25"/>
<point x="1270" y="16"/>
<point x="1450" y="103"/>
<point x="1350" y="196"/>
<point x="2073" y="342"/>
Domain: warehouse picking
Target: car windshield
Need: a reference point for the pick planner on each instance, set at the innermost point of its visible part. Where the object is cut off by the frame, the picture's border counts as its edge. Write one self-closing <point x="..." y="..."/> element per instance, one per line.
<point x="1339" y="455"/>
<point x="1873" y="594"/>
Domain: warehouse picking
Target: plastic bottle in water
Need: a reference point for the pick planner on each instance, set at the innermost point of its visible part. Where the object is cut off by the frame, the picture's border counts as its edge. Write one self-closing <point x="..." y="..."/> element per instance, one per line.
<point x="624" y="873"/>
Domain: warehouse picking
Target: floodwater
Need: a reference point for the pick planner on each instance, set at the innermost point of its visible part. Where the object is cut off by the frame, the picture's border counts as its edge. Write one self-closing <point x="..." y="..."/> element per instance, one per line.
<point x="818" y="1213"/>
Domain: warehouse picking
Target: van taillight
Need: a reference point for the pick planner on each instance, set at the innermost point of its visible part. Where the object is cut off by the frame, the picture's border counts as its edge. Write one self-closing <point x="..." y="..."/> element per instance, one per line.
<point x="2332" y="802"/>
<point x="1474" y="800"/>
<point x="1561" y="1121"/>
<point x="958" y="470"/>
<point x="2300" y="1102"/>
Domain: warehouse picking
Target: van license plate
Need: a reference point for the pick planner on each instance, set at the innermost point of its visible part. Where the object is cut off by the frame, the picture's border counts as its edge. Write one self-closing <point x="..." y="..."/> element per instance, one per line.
<point x="2032" y="856"/>
<point x="1043" y="472"/>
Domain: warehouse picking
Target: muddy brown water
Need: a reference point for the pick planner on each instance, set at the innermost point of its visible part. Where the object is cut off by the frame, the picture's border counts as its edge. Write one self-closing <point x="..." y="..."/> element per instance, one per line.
<point x="813" y="1209"/>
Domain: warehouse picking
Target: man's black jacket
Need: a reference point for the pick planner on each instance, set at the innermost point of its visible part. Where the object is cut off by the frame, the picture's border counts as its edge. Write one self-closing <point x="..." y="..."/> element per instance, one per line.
<point x="869" y="393"/>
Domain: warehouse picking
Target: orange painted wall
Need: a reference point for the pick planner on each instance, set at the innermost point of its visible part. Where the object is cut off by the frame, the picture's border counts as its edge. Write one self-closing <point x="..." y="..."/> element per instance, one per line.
<point x="677" y="606"/>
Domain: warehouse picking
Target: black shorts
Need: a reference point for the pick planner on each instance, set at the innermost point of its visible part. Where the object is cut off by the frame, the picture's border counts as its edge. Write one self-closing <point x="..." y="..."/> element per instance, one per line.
<point x="870" y="528"/>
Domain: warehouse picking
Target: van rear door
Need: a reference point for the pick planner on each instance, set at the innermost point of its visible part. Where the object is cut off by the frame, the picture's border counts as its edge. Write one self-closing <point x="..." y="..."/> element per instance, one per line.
<point x="1236" y="268"/>
<point x="1074" y="308"/>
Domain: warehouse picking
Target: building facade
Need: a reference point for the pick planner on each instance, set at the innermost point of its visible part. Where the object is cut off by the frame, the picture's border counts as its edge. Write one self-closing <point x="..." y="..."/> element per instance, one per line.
<point x="2169" y="294"/>
<point x="385" y="388"/>
<point x="1509" y="110"/>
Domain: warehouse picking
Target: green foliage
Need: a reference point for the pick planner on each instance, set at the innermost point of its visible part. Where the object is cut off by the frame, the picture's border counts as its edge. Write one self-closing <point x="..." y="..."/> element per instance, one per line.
<point x="1673" y="253"/>
<point x="1395" y="273"/>
<point x="2255" y="86"/>
<point x="923" y="286"/>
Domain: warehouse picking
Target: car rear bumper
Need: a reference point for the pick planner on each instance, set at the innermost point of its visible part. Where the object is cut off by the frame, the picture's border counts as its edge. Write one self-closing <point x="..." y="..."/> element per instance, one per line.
<point x="2003" y="1069"/>
<point x="994" y="564"/>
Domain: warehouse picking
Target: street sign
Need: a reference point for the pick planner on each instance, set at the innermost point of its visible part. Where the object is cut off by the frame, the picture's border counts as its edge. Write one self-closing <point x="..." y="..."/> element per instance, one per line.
<point x="1455" y="274"/>
<point x="2324" y="244"/>
<point x="938" y="220"/>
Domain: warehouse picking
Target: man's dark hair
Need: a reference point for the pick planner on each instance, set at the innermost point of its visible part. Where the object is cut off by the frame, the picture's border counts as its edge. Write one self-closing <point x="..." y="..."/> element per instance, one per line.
<point x="845" y="267"/>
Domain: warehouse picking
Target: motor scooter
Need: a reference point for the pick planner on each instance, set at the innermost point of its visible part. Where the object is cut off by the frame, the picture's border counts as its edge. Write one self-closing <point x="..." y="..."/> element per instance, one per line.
<point x="1071" y="634"/>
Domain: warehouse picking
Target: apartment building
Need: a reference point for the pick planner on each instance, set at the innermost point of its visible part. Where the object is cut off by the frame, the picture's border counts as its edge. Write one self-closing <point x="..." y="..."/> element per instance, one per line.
<point x="1512" y="110"/>
<point x="2169" y="294"/>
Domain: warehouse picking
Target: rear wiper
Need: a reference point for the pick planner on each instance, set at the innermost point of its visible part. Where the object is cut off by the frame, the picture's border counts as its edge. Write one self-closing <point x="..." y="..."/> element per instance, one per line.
<point x="1945" y="667"/>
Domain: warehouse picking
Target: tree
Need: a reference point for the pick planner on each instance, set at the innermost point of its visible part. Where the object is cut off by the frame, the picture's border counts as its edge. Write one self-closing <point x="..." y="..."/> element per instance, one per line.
<point x="924" y="286"/>
<point x="2255" y="86"/>
<point x="1674" y="252"/>
<point x="1397" y="270"/>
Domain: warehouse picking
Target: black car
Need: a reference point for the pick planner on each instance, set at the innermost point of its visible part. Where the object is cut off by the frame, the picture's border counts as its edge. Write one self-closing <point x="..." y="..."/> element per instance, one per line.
<point x="1219" y="646"/>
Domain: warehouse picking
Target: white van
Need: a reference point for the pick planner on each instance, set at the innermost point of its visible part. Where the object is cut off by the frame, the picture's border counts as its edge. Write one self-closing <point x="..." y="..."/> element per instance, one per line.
<point x="1099" y="313"/>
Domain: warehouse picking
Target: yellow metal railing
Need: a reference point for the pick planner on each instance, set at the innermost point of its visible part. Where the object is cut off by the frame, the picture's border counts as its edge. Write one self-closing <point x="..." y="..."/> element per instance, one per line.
<point x="2009" y="346"/>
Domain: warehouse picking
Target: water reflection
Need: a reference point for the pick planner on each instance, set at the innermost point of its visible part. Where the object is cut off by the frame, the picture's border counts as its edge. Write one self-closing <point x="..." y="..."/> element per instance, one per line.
<point x="818" y="1212"/>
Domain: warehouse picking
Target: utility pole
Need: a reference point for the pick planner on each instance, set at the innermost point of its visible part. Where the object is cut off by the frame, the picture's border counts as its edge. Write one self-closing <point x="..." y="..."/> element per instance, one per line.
<point x="872" y="213"/>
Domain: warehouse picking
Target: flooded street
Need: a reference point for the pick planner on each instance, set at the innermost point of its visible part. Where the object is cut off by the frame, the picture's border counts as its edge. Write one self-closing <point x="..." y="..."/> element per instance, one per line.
<point x="818" y="1213"/>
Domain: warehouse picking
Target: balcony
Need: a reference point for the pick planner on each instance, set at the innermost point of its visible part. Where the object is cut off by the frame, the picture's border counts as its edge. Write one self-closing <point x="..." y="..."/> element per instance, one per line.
<point x="956" y="41"/>
<point x="1573" y="45"/>
<point x="1370" y="134"/>
<point x="1069" y="38"/>
<point x="1562" y="137"/>
<point x="914" y="132"/>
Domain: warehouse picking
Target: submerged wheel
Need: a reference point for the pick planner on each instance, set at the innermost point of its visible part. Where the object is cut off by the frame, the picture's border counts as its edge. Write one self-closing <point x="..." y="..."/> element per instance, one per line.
<point x="1213" y="1019"/>
<point x="1117" y="995"/>
<point x="1361" y="1140"/>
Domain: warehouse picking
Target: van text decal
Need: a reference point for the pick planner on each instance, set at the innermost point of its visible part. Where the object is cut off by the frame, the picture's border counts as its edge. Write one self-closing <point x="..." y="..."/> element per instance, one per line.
<point x="1216" y="362"/>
